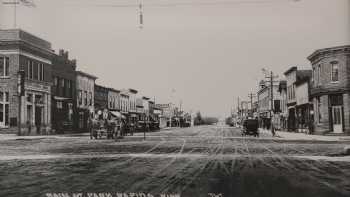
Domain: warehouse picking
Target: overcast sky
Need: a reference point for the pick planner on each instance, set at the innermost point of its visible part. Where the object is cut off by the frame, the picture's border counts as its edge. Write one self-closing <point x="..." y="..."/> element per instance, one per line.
<point x="210" y="54"/>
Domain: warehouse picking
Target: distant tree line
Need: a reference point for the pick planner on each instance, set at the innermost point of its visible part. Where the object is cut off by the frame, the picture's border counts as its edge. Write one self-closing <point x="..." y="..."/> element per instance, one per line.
<point x="199" y="120"/>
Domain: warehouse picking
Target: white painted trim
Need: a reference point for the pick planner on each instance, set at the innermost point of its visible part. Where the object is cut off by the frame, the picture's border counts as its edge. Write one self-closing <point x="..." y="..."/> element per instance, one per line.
<point x="20" y="52"/>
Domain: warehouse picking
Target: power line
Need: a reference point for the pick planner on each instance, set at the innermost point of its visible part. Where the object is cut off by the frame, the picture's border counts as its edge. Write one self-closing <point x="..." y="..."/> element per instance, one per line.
<point x="185" y="4"/>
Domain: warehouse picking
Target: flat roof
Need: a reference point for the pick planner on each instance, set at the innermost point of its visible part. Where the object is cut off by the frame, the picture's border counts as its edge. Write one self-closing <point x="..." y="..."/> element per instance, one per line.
<point x="85" y="74"/>
<point x="21" y="35"/>
<point x="329" y="49"/>
<point x="291" y="69"/>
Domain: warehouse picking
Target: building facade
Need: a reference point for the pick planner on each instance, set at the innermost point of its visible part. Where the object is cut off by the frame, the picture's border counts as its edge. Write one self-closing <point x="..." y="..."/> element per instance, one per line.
<point x="124" y="103"/>
<point x="113" y="99"/>
<point x="267" y="109"/>
<point x="296" y="119"/>
<point x="85" y="88"/>
<point x="101" y="98"/>
<point x="330" y="90"/>
<point x="63" y="103"/>
<point x="166" y="113"/>
<point x="133" y="115"/>
<point x="304" y="106"/>
<point x="20" y="50"/>
<point x="282" y="89"/>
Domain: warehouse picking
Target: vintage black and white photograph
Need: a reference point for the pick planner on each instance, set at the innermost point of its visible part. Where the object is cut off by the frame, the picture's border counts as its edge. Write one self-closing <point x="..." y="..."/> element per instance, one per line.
<point x="174" y="98"/>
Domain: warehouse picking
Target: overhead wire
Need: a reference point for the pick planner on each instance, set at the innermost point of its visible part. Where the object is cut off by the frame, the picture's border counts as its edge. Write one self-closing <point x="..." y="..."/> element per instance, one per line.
<point x="180" y="3"/>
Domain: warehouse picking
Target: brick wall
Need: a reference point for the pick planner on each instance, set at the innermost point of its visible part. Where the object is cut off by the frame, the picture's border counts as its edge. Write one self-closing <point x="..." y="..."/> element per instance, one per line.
<point x="322" y="126"/>
<point x="346" y="101"/>
<point x="10" y="85"/>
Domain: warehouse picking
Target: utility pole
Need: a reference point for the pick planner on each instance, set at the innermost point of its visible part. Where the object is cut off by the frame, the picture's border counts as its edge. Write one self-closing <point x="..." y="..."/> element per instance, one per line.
<point x="27" y="3"/>
<point x="270" y="76"/>
<point x="251" y="96"/>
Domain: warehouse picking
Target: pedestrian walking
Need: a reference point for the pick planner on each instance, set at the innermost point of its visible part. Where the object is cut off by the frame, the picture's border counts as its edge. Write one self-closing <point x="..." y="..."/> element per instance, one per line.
<point x="90" y="127"/>
<point x="29" y="126"/>
<point x="272" y="125"/>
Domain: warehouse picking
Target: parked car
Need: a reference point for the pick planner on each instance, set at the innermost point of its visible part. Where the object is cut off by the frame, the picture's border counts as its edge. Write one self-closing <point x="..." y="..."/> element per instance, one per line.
<point x="250" y="127"/>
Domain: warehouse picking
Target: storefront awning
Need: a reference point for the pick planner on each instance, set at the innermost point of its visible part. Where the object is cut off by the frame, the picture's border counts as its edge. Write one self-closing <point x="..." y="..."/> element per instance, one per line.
<point x="58" y="98"/>
<point x="116" y="114"/>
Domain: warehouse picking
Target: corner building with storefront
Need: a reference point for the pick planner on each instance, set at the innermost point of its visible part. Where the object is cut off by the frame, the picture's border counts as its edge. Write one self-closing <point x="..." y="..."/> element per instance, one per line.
<point x="330" y="90"/>
<point x="20" y="50"/>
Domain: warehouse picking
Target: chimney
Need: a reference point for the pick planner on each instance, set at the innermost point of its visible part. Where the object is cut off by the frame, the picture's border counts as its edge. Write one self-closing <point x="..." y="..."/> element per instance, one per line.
<point x="74" y="63"/>
<point x="61" y="51"/>
<point x="66" y="54"/>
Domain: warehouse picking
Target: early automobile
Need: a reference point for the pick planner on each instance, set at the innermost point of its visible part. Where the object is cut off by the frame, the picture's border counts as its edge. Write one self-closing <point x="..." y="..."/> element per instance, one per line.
<point x="250" y="127"/>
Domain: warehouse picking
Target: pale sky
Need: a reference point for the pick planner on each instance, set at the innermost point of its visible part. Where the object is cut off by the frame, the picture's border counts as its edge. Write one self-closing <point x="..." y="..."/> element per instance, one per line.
<point x="210" y="54"/>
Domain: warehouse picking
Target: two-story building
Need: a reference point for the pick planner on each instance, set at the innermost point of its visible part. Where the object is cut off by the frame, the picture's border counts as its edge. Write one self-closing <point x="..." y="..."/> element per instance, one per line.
<point x="20" y="50"/>
<point x="101" y="99"/>
<point x="330" y="90"/>
<point x="124" y="105"/>
<point x="282" y="89"/>
<point x="113" y="99"/>
<point x="85" y="88"/>
<point x="268" y="106"/>
<point x="133" y="115"/>
<point x="63" y="92"/>
<point x="298" y="78"/>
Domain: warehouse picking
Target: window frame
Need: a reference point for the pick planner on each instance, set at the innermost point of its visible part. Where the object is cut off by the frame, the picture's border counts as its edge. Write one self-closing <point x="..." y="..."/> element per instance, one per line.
<point x="5" y="102"/>
<point x="334" y="64"/>
<point x="5" y="67"/>
<point x="319" y="74"/>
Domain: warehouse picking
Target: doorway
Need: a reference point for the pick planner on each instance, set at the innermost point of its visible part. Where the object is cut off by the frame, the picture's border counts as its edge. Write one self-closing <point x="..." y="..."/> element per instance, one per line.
<point x="38" y="118"/>
<point x="337" y="119"/>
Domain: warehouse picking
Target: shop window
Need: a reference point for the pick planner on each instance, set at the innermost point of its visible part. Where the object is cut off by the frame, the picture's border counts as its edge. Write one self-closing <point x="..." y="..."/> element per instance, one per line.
<point x="336" y="100"/>
<point x="29" y="98"/>
<point x="62" y="83"/>
<point x="59" y="105"/>
<point x="39" y="99"/>
<point x="4" y="66"/>
<point x="80" y="98"/>
<point x="86" y="98"/>
<point x="90" y="98"/>
<point x="319" y="109"/>
<point x="4" y="109"/>
<point x="55" y="81"/>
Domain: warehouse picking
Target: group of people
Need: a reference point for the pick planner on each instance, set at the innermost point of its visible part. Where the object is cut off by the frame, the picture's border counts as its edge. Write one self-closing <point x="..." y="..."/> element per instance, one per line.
<point x="113" y="128"/>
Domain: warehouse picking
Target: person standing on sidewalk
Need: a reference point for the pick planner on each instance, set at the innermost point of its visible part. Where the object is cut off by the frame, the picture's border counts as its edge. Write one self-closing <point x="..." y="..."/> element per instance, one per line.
<point x="273" y="127"/>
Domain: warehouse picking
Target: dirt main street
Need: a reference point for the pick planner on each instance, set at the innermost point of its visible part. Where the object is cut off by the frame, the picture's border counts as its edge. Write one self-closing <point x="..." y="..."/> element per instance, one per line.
<point x="198" y="161"/>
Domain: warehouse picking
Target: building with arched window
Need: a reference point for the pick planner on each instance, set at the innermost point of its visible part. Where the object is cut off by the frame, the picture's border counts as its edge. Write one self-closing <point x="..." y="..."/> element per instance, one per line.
<point x="330" y="90"/>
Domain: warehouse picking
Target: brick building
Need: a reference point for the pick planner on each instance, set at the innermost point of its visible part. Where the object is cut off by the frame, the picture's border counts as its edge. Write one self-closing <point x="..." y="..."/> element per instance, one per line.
<point x="266" y="109"/>
<point x="113" y="99"/>
<point x="133" y="115"/>
<point x="124" y="103"/>
<point x="101" y="98"/>
<point x="330" y="90"/>
<point x="20" y="50"/>
<point x="63" y="92"/>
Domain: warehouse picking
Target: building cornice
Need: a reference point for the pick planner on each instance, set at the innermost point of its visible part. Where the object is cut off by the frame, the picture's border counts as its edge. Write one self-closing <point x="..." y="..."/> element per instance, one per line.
<point x="29" y="55"/>
<point x="321" y="53"/>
